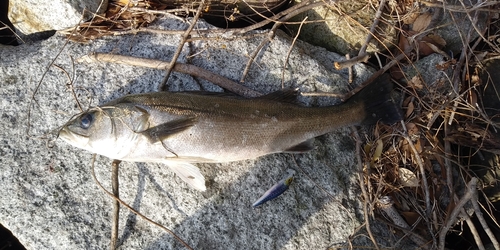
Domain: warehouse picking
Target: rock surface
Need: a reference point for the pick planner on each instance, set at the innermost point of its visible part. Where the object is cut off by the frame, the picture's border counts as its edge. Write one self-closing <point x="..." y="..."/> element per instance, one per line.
<point x="343" y="26"/>
<point x="50" y="201"/>
<point x="30" y="16"/>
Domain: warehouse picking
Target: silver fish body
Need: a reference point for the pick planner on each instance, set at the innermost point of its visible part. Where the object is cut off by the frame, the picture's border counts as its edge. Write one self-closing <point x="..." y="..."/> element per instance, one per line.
<point x="179" y="128"/>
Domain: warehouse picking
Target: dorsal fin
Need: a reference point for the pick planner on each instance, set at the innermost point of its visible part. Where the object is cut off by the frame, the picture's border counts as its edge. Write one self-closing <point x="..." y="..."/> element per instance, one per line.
<point x="284" y="95"/>
<point x="215" y="94"/>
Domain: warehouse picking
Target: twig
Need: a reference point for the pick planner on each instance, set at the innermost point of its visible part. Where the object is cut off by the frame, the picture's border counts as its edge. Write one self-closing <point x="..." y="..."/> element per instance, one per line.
<point x="447" y="163"/>
<point x="116" y="204"/>
<point x="170" y="12"/>
<point x="32" y="99"/>
<point x="376" y="20"/>
<point x="179" y="67"/>
<point x="374" y="76"/>
<point x="480" y="217"/>
<point x="471" y="189"/>
<point x="288" y="54"/>
<point x="362" y="55"/>
<point x="333" y="95"/>
<point x="362" y="185"/>
<point x="132" y="209"/>
<point x="466" y="9"/>
<point x="351" y="62"/>
<point x="287" y="14"/>
<point x="349" y="69"/>
<point x="428" y="207"/>
<point x="386" y="204"/>
<point x="474" y="21"/>
<point x="251" y="58"/>
<point x="404" y="230"/>
<point x="473" y="230"/>
<point x="70" y="82"/>
<point x="11" y="29"/>
<point x="181" y="45"/>
<point x="291" y="12"/>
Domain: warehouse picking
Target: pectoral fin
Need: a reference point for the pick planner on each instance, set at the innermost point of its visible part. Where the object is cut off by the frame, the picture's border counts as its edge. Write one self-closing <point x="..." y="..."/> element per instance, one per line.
<point x="162" y="131"/>
<point x="188" y="173"/>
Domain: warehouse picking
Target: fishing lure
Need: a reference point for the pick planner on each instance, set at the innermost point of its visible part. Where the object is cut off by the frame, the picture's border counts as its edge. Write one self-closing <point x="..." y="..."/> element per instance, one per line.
<point x="275" y="190"/>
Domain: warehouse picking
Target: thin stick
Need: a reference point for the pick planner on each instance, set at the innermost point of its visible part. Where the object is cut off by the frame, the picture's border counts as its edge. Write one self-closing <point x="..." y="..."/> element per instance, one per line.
<point x="293" y="11"/>
<point x="473" y="230"/>
<point x="362" y="185"/>
<point x="351" y="62"/>
<point x="32" y="99"/>
<point x="481" y="219"/>
<point x="471" y="188"/>
<point x="467" y="9"/>
<point x="5" y="26"/>
<point x="473" y="22"/>
<point x="447" y="162"/>
<point x="132" y="209"/>
<point x="179" y="67"/>
<point x="290" y="12"/>
<point x="386" y="204"/>
<point x="428" y="207"/>
<point x="406" y="231"/>
<point x="362" y="55"/>
<point x="349" y="69"/>
<point x="288" y="54"/>
<point x="333" y="95"/>
<point x="185" y="36"/>
<point x="254" y="54"/>
<point x="116" y="204"/>
<point x="376" y="20"/>
<point x="374" y="76"/>
<point x="70" y="82"/>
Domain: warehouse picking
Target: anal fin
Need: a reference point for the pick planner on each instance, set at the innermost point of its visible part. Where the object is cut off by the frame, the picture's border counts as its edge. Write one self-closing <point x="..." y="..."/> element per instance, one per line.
<point x="301" y="147"/>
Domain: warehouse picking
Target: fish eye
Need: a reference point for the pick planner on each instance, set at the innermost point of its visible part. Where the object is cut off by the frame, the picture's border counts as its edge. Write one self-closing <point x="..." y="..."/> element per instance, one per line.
<point x="86" y="121"/>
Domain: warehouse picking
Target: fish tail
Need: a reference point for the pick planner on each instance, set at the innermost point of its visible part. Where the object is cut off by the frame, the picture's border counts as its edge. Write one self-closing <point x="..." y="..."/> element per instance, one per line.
<point x="378" y="103"/>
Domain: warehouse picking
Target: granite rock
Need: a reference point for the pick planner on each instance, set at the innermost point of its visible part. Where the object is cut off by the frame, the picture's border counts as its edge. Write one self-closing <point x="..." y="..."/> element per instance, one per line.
<point x="50" y="201"/>
<point x="30" y="16"/>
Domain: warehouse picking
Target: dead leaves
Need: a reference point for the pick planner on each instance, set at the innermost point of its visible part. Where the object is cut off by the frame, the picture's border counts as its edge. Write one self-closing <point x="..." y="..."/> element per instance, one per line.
<point x="419" y="37"/>
<point x="407" y="178"/>
<point x="422" y="22"/>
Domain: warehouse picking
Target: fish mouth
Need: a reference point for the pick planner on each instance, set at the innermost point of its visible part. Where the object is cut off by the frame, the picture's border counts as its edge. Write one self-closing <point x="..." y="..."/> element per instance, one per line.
<point x="73" y="138"/>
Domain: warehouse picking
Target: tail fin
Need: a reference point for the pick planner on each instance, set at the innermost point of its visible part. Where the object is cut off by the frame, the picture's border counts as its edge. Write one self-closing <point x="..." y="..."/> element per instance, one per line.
<point x="376" y="98"/>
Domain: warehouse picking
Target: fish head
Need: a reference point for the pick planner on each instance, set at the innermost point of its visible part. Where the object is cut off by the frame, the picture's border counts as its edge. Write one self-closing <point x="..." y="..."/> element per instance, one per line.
<point x="89" y="130"/>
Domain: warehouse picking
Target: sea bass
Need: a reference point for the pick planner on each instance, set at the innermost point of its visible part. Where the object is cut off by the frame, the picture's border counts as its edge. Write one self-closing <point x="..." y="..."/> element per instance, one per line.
<point x="180" y="128"/>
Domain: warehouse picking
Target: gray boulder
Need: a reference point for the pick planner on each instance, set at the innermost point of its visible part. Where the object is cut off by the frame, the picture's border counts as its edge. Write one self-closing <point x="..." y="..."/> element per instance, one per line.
<point x="50" y="201"/>
<point x="30" y="16"/>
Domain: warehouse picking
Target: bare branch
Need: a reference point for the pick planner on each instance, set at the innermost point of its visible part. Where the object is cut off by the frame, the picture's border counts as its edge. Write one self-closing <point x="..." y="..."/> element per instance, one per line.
<point x="179" y="67"/>
<point x="133" y="210"/>
<point x="185" y="36"/>
<point x="116" y="204"/>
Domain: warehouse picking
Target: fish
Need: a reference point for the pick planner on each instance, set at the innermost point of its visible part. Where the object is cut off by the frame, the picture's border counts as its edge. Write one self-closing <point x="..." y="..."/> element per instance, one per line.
<point x="180" y="129"/>
<point x="275" y="190"/>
